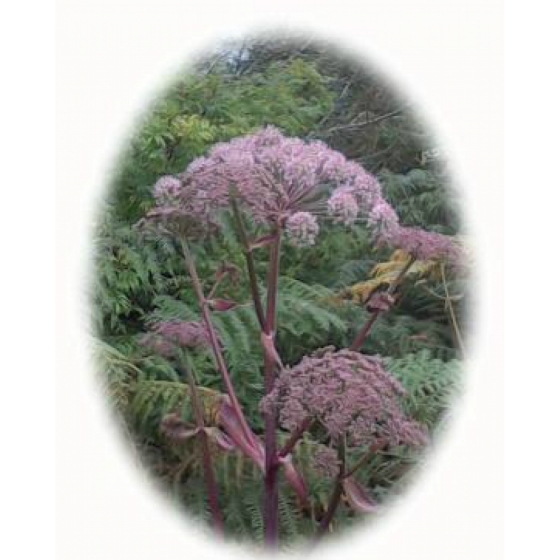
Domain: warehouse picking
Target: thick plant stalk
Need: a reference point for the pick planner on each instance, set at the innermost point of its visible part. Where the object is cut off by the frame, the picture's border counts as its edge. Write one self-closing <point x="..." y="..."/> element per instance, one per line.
<point x="271" y="455"/>
<point x="333" y="505"/>
<point x="293" y="477"/>
<point x="222" y="367"/>
<point x="208" y="468"/>
<point x="336" y="495"/>
<point x="365" y="330"/>
<point x="253" y="283"/>
<point x="296" y="435"/>
<point x="249" y="444"/>
<point x="255" y="452"/>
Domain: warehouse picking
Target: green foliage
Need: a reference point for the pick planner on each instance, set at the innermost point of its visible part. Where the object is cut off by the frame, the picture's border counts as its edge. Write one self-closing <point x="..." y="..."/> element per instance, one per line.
<point x="430" y="383"/>
<point x="423" y="199"/>
<point x="307" y="317"/>
<point x="335" y="260"/>
<point x="129" y="272"/>
<point x="200" y="110"/>
<point x="397" y="335"/>
<point x="118" y="373"/>
<point x="153" y="400"/>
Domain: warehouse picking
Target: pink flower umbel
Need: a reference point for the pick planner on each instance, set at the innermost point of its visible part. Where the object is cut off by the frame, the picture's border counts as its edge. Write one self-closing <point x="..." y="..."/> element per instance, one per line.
<point x="167" y="336"/>
<point x="423" y="245"/>
<point x="349" y="394"/>
<point x="277" y="180"/>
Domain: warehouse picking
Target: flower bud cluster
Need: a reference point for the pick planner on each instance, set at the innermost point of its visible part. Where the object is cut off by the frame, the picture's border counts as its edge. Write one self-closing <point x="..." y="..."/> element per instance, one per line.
<point x="166" y="337"/>
<point x="349" y="394"/>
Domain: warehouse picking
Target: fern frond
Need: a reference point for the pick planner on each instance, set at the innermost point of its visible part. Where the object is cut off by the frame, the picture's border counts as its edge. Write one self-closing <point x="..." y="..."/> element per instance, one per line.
<point x="117" y="373"/>
<point x="168" y="308"/>
<point x="430" y="383"/>
<point x="307" y="309"/>
<point x="153" y="399"/>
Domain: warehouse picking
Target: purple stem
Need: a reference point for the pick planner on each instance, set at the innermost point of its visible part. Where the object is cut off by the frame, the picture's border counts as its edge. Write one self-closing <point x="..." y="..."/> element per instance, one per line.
<point x="333" y="505"/>
<point x="292" y="476"/>
<point x="222" y="367"/>
<point x="362" y="335"/>
<point x="335" y="496"/>
<point x="209" y="478"/>
<point x="297" y="434"/>
<point x="253" y="283"/>
<point x="365" y="330"/>
<point x="344" y="473"/>
<point x="271" y="455"/>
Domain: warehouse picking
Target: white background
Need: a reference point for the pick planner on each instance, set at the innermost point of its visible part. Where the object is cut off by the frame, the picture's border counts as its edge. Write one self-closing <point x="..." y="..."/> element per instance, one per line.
<point x="112" y="58"/>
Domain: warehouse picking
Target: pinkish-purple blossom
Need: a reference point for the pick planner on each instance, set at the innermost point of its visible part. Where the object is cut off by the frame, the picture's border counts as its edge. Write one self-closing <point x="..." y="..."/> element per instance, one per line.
<point x="167" y="188"/>
<point x="382" y="218"/>
<point x="424" y="245"/>
<point x="343" y="206"/>
<point x="349" y="394"/>
<point x="274" y="178"/>
<point x="302" y="229"/>
<point x="158" y="345"/>
<point x="166" y="337"/>
<point x="286" y="182"/>
<point x="325" y="460"/>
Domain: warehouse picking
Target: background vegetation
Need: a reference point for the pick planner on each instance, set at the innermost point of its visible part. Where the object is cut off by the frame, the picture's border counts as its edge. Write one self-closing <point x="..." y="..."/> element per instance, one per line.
<point x="306" y="91"/>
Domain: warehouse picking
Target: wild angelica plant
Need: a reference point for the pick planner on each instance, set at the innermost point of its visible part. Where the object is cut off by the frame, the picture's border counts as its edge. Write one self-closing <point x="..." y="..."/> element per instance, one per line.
<point x="283" y="189"/>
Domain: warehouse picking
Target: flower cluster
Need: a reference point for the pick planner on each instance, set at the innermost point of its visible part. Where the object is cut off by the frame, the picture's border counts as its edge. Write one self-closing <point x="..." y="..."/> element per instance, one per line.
<point x="349" y="394"/>
<point x="167" y="189"/>
<point x="278" y="180"/>
<point x="423" y="245"/>
<point x="285" y="182"/>
<point x="343" y="206"/>
<point x="302" y="229"/>
<point x="383" y="219"/>
<point x="166" y="337"/>
<point x="325" y="460"/>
